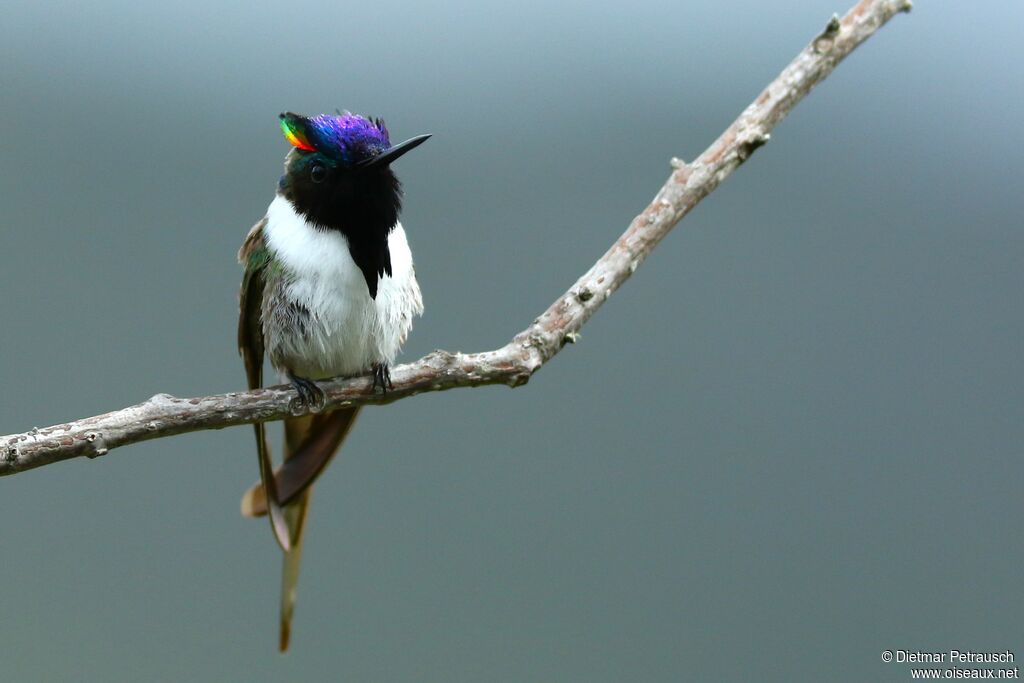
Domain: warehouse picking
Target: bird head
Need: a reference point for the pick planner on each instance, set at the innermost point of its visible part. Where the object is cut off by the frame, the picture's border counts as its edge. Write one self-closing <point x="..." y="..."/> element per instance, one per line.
<point x="339" y="170"/>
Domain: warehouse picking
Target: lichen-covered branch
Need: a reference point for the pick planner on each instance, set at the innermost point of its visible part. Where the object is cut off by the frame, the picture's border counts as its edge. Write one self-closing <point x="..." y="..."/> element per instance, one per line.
<point x="514" y="363"/>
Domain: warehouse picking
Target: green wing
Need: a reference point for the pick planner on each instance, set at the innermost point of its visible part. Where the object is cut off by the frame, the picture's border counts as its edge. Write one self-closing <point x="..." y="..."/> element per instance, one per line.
<point x="256" y="257"/>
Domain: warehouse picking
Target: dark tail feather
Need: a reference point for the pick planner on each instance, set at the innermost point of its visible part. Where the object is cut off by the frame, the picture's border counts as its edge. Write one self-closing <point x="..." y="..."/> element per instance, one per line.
<point x="278" y="523"/>
<point x="322" y="441"/>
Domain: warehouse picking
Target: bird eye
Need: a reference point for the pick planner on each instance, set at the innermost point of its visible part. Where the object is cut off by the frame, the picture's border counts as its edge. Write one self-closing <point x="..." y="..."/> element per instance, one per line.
<point x="318" y="173"/>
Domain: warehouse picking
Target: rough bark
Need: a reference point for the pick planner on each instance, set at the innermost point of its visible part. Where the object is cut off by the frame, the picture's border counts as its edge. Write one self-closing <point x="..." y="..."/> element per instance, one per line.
<point x="514" y="363"/>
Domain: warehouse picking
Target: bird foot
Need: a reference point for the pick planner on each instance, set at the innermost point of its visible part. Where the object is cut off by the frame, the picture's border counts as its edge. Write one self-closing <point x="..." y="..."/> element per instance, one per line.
<point x="309" y="393"/>
<point x="382" y="377"/>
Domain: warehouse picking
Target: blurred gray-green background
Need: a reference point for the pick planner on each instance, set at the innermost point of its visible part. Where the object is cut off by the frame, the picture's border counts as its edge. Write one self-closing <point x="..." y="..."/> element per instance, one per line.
<point x="791" y="441"/>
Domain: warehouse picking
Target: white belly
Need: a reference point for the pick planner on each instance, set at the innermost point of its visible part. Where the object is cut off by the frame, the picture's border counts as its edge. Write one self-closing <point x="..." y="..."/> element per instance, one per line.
<point x="346" y="332"/>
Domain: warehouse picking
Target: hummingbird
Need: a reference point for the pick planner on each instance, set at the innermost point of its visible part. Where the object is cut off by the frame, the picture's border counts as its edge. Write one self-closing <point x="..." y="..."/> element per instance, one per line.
<point x="329" y="290"/>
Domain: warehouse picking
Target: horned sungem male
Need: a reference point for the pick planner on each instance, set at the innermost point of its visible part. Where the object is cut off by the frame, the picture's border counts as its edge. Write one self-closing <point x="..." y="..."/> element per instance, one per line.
<point x="329" y="290"/>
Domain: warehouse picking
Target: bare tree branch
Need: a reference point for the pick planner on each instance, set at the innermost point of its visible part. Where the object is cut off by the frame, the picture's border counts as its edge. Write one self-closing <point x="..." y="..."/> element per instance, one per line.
<point x="514" y="363"/>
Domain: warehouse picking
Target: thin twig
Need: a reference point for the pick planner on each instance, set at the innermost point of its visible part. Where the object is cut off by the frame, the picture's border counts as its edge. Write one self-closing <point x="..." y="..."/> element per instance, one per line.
<point x="514" y="363"/>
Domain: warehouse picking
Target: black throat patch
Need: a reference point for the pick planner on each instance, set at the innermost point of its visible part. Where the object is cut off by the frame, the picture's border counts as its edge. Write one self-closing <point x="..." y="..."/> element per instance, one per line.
<point x="361" y="204"/>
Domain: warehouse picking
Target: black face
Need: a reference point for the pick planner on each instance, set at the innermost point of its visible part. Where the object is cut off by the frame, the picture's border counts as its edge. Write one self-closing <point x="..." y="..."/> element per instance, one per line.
<point x="361" y="203"/>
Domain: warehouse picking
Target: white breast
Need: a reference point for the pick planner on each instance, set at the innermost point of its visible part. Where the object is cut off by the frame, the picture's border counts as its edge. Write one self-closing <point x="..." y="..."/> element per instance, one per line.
<point x="349" y="332"/>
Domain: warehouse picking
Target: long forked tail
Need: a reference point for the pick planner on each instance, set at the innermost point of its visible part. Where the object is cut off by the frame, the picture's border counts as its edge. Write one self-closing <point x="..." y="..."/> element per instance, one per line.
<point x="310" y="444"/>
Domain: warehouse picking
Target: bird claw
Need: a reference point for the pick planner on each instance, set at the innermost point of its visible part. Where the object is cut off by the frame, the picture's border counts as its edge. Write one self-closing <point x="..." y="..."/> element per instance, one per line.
<point x="310" y="394"/>
<point x="382" y="377"/>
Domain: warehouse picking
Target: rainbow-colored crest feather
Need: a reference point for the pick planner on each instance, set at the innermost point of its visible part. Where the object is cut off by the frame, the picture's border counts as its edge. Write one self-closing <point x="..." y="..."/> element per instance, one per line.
<point x="294" y="133"/>
<point x="346" y="138"/>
